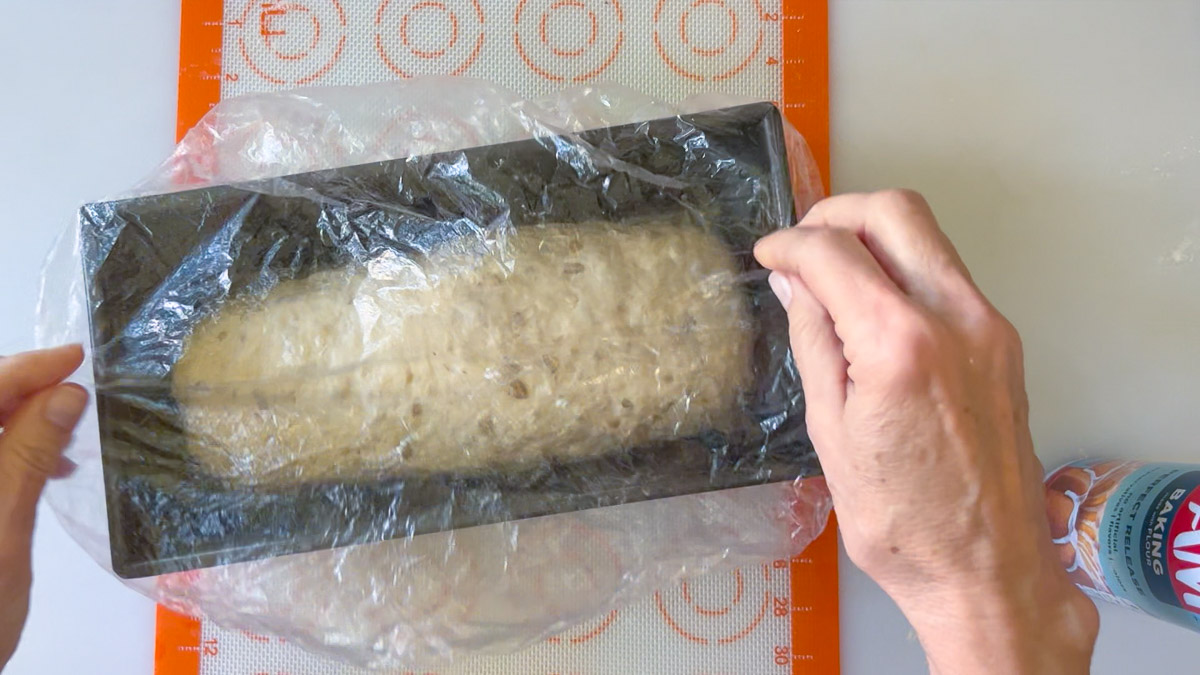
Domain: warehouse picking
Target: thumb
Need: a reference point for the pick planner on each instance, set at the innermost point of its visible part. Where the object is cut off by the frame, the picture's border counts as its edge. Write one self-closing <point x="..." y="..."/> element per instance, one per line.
<point x="31" y="446"/>
<point x="31" y="451"/>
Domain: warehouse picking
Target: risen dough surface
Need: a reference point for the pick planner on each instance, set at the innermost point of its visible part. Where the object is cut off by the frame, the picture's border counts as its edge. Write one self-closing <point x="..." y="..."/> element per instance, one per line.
<point x="559" y="342"/>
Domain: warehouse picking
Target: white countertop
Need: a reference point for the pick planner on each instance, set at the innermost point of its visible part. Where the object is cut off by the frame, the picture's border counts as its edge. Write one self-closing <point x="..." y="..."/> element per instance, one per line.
<point x="1058" y="140"/>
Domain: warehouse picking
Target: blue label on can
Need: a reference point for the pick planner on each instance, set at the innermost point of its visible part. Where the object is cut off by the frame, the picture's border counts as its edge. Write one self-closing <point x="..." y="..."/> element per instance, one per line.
<point x="1145" y="537"/>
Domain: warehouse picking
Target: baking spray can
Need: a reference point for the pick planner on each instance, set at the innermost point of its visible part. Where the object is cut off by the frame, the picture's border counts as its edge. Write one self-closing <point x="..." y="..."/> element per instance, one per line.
<point x="1129" y="533"/>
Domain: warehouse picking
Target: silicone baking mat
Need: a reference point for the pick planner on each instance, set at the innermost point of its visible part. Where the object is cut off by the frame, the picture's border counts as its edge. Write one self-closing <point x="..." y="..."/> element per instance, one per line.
<point x="777" y="617"/>
<point x="769" y="50"/>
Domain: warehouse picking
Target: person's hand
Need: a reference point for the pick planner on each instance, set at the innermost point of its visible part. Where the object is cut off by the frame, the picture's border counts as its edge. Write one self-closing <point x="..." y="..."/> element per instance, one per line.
<point x="916" y="404"/>
<point x="38" y="415"/>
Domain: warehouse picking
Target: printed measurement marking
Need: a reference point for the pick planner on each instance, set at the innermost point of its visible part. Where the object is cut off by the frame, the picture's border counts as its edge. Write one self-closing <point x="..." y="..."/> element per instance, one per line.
<point x="782" y="658"/>
<point x="781" y="606"/>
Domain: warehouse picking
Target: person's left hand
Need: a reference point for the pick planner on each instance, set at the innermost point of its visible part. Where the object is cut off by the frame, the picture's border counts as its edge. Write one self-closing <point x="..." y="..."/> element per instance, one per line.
<point x="38" y="414"/>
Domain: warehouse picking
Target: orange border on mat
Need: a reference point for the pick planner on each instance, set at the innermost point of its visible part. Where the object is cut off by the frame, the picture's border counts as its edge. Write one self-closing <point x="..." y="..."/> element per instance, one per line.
<point x="814" y="574"/>
<point x="814" y="600"/>
<point x="176" y="644"/>
<point x="806" y="75"/>
<point x="201" y="30"/>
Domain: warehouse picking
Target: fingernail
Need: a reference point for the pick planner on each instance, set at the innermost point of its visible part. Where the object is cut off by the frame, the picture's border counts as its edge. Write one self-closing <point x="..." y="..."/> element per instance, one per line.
<point x="65" y="407"/>
<point x="65" y="468"/>
<point x="781" y="287"/>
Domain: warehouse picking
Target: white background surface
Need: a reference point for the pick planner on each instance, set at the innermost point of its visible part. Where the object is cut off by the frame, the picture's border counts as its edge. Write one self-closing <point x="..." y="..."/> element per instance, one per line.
<point x="1058" y="140"/>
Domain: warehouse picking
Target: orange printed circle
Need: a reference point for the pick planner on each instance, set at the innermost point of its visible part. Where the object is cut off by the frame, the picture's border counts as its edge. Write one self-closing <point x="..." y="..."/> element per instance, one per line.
<point x="314" y="28"/>
<point x="427" y="53"/>
<point x="260" y="28"/>
<point x="708" y="51"/>
<point x="593" y="27"/>
<point x="587" y="632"/>
<point x="706" y="63"/>
<point x="545" y="50"/>
<point x="400" y="51"/>
<point x="724" y="624"/>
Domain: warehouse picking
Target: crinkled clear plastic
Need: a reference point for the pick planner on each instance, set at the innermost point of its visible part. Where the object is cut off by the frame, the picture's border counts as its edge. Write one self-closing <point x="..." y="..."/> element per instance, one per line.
<point x="482" y="384"/>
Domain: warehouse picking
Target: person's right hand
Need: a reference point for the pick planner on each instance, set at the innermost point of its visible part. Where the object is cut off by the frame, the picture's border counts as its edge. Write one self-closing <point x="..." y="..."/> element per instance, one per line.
<point x="37" y="416"/>
<point x="916" y="405"/>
